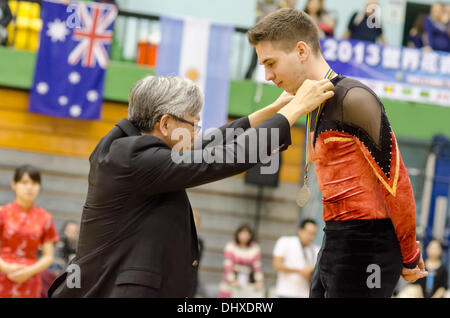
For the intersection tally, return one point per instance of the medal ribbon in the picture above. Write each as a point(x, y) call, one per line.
point(329, 75)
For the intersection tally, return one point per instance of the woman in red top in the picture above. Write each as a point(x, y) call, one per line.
point(24, 227)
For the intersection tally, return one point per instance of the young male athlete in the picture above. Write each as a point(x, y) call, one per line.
point(368, 202)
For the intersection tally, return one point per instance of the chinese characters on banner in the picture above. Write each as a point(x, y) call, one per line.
point(392, 72)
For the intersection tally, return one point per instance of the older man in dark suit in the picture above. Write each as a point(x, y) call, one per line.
point(137, 236)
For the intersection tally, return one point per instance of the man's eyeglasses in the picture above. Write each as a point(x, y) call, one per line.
point(197, 128)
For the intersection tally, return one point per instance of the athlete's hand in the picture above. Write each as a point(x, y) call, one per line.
point(411, 275)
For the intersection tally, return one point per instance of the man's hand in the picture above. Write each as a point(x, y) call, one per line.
point(236, 284)
point(307, 98)
point(21, 275)
point(313, 93)
point(282, 100)
point(411, 275)
point(306, 272)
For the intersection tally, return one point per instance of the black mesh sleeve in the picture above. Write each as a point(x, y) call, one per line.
point(360, 108)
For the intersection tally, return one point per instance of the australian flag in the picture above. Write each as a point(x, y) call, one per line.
point(72, 59)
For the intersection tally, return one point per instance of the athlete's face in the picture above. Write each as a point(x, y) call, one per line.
point(286, 69)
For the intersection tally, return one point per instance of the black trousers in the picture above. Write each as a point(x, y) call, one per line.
point(358, 259)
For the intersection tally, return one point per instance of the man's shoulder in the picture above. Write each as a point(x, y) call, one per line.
point(288, 240)
point(118, 149)
point(116, 141)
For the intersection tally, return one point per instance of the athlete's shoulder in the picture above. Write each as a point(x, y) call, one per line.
point(348, 83)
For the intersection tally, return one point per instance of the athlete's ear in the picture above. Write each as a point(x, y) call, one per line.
point(303, 50)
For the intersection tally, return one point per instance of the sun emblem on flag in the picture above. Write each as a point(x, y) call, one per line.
point(192, 74)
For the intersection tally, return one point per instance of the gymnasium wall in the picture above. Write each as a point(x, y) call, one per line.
point(61, 147)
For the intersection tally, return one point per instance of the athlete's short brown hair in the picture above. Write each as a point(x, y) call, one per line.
point(285, 28)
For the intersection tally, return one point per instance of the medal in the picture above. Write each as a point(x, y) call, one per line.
point(304, 193)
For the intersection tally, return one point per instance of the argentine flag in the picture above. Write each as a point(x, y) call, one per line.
point(201, 51)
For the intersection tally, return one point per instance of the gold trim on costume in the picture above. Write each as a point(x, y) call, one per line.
point(392, 190)
point(330, 139)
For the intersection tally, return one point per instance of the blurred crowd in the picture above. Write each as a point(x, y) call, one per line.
point(20, 24)
point(294, 259)
point(33, 254)
point(432, 31)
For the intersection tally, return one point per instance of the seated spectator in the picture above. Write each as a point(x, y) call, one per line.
point(436, 28)
point(294, 258)
point(48, 277)
point(5, 18)
point(324, 21)
point(417, 33)
point(365, 25)
point(243, 276)
point(435, 284)
point(66, 248)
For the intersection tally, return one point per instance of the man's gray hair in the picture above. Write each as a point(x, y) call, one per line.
point(154, 96)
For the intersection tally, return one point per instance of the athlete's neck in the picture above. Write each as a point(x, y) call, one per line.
point(319, 68)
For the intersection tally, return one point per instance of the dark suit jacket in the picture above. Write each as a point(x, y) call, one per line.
point(137, 234)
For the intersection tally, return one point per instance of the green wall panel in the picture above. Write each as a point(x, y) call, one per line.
point(120, 77)
point(16, 68)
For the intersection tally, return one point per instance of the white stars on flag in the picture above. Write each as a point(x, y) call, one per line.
point(75, 110)
point(63, 100)
point(92, 96)
point(57, 30)
point(74, 77)
point(42, 88)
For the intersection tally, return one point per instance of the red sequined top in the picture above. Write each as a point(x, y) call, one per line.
point(359, 167)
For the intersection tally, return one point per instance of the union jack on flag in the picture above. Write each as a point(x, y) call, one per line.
point(94, 34)
point(72, 59)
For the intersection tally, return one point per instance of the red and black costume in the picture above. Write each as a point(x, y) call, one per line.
point(368, 202)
